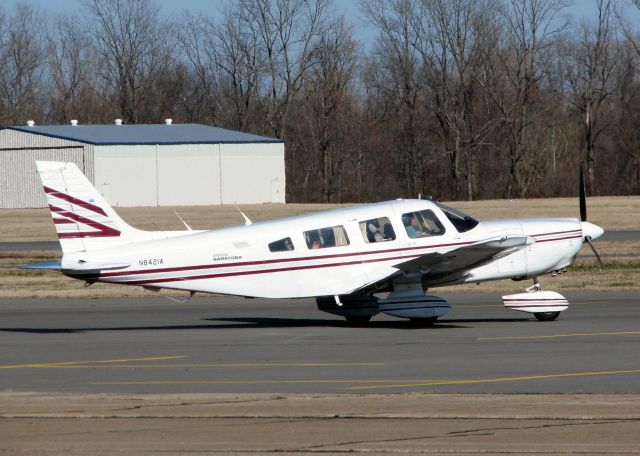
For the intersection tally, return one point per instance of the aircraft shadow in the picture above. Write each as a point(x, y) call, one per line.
point(248, 323)
point(485, 320)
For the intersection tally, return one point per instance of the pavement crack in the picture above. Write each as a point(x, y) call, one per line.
point(455, 434)
point(195, 404)
point(524, 428)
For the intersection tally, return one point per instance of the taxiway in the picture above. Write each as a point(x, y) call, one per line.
point(235, 345)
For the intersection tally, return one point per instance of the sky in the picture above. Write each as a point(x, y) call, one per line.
point(580, 9)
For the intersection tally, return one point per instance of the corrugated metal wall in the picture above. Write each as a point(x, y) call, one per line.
point(144, 175)
point(20, 186)
point(190, 174)
point(252, 173)
point(127, 175)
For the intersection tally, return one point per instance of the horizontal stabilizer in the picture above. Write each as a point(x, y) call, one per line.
point(85, 267)
point(51, 265)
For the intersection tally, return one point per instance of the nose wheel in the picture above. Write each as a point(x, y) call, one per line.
point(542, 304)
point(546, 316)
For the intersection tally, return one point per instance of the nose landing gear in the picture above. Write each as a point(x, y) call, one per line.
point(544, 305)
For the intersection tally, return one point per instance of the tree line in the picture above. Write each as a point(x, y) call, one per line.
point(457, 99)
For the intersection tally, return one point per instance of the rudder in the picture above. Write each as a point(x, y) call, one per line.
point(83, 219)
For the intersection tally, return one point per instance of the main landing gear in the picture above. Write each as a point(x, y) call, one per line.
point(544, 305)
point(407, 301)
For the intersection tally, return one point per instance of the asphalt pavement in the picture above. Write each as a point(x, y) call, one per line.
point(231, 376)
point(236, 345)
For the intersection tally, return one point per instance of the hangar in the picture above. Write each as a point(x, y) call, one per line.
point(146, 165)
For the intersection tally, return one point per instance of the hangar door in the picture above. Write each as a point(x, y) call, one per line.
point(188, 174)
point(20, 186)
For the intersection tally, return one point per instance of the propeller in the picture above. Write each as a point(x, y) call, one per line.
point(583, 198)
point(589, 230)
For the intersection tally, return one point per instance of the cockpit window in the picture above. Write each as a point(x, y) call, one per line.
point(459, 219)
point(377, 230)
point(334, 236)
point(281, 245)
point(422, 224)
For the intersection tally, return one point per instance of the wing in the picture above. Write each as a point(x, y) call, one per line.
point(439, 268)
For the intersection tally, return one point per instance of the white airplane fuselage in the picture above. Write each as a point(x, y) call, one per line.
point(356, 261)
point(238, 261)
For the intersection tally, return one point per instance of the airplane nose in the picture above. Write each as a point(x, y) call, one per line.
point(591, 230)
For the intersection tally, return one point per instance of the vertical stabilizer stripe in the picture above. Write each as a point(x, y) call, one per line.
point(76, 201)
point(103, 230)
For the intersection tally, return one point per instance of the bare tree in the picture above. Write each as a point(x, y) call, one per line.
point(456, 36)
point(329, 102)
point(22, 59)
point(288, 34)
point(135, 46)
point(70, 60)
point(396, 54)
point(590, 76)
point(515, 71)
point(241, 68)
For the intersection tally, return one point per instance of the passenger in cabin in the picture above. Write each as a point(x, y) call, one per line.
point(314, 240)
point(411, 225)
point(373, 232)
point(389, 235)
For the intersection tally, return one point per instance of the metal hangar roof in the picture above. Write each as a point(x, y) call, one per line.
point(114, 134)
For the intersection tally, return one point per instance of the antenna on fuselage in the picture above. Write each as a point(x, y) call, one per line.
point(183, 222)
point(247, 221)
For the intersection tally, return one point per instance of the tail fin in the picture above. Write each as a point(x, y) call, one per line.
point(83, 219)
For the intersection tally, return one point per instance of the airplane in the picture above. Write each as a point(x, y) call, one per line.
point(356, 261)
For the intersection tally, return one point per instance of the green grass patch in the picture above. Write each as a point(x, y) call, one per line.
point(613, 266)
point(625, 284)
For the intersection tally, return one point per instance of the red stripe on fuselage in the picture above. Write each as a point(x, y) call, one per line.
point(296, 259)
point(539, 305)
point(256, 271)
point(559, 239)
point(557, 232)
point(281, 260)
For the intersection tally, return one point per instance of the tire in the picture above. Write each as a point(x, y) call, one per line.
point(358, 319)
point(546, 316)
point(424, 321)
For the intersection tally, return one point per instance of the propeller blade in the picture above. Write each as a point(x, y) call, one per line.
point(588, 239)
point(583, 198)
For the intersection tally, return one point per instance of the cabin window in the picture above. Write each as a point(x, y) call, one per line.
point(377, 230)
point(459, 219)
point(422, 224)
point(281, 245)
point(334, 236)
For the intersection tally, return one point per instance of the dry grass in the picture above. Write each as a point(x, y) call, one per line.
point(612, 213)
point(35, 224)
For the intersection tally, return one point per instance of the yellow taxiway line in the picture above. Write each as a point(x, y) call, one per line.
point(496, 380)
point(108, 364)
point(243, 382)
point(220, 366)
point(371, 384)
point(552, 336)
point(76, 363)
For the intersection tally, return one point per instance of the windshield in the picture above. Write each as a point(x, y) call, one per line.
point(460, 220)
